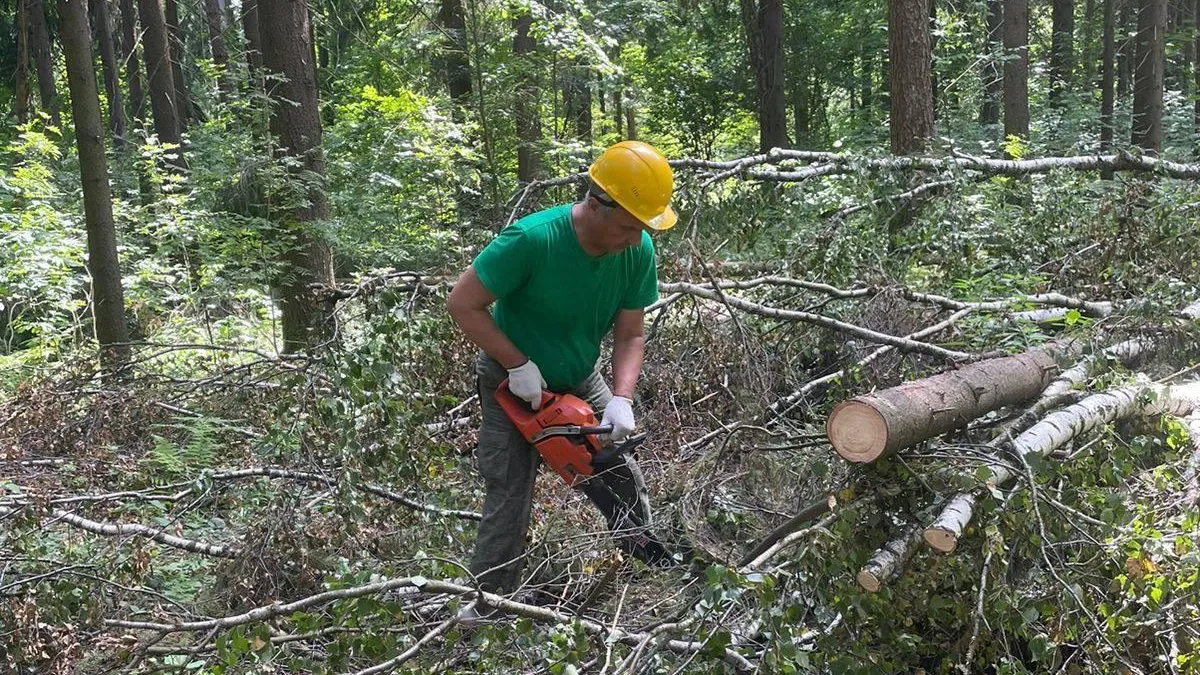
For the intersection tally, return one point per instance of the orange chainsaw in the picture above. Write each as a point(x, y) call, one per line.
point(565, 432)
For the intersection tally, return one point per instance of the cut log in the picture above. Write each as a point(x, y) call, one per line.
point(889, 560)
point(1056, 430)
point(868, 427)
point(943, 534)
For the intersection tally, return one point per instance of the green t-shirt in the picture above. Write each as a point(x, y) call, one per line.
point(554, 301)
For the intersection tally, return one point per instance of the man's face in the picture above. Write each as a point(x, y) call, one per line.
point(620, 229)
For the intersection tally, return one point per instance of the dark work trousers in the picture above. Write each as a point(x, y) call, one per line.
point(509, 465)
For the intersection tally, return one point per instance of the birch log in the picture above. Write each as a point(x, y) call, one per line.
point(889, 560)
point(868, 427)
point(1057, 429)
point(943, 534)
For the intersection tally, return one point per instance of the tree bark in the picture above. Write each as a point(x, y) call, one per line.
point(456, 67)
point(112, 78)
point(1055, 431)
point(773, 133)
point(1062, 48)
point(158, 73)
point(39, 45)
point(1016, 69)
point(1146, 129)
point(763, 23)
point(107, 296)
point(1124, 50)
point(296, 122)
point(912, 89)
point(993, 83)
point(21, 86)
point(250, 26)
point(175, 51)
point(525, 102)
point(216, 43)
point(1108, 68)
point(889, 560)
point(133, 66)
point(866, 428)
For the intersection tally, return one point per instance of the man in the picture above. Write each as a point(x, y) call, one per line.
point(559, 280)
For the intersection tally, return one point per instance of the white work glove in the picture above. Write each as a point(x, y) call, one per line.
point(619, 413)
point(526, 383)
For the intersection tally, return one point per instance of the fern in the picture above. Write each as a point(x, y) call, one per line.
point(194, 452)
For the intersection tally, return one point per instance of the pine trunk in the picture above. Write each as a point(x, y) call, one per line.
point(133, 65)
point(1062, 48)
point(175, 51)
point(912, 89)
point(1016, 69)
point(456, 67)
point(866, 428)
point(250, 27)
point(216, 43)
point(1108, 83)
point(21, 86)
point(107, 296)
point(525, 103)
point(296, 123)
point(39, 45)
point(1124, 49)
point(158, 73)
point(112, 78)
point(773, 99)
point(993, 83)
point(1146, 130)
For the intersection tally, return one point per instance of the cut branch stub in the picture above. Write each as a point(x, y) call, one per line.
point(868, 427)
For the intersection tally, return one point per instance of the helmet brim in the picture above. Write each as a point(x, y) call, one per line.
point(663, 221)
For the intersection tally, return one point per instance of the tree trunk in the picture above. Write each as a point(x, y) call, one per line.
point(1107, 84)
point(158, 74)
point(112, 78)
point(577, 99)
point(866, 82)
point(618, 112)
point(1062, 48)
point(632, 129)
point(802, 111)
point(912, 91)
point(133, 65)
point(866, 428)
point(21, 86)
point(993, 83)
point(773, 101)
point(455, 65)
point(107, 296)
point(296, 123)
point(763, 23)
point(1016, 69)
point(216, 42)
point(525, 102)
point(1196, 72)
point(1146, 130)
point(250, 26)
point(1124, 50)
point(175, 51)
point(39, 45)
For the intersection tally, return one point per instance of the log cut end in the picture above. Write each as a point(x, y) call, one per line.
point(940, 539)
point(857, 431)
point(868, 581)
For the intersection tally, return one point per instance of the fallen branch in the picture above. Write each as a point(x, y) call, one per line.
point(139, 530)
point(797, 535)
point(267, 612)
point(1057, 429)
point(1191, 476)
point(793, 315)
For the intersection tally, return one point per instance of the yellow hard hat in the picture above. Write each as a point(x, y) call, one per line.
point(637, 177)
